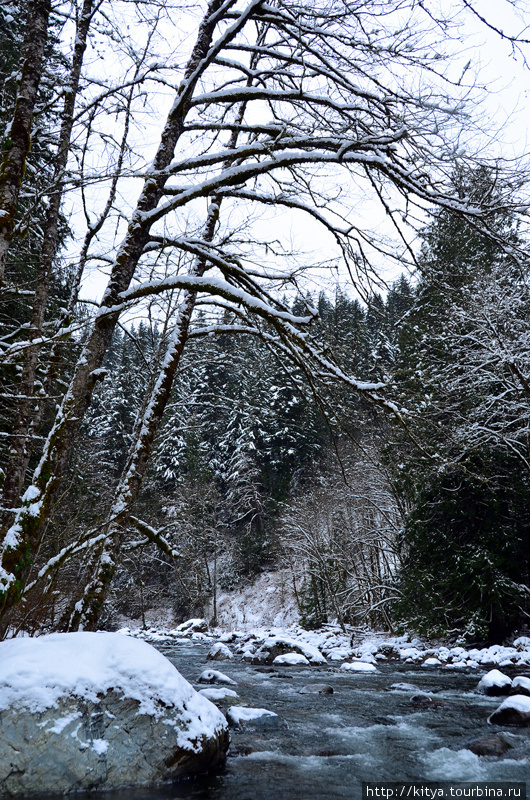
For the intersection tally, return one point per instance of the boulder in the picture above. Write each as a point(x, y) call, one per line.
point(84, 711)
point(192, 626)
point(219, 652)
point(389, 650)
point(358, 666)
point(494, 683)
point(317, 688)
point(512, 711)
point(244, 717)
point(214, 676)
point(280, 645)
point(489, 746)
point(520, 685)
point(291, 660)
point(219, 694)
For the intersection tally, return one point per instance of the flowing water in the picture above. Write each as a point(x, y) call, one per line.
point(327, 745)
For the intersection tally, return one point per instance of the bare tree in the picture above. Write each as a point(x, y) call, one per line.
point(328, 104)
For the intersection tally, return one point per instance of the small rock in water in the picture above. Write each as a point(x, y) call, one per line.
point(213, 676)
point(494, 683)
point(243, 717)
point(404, 687)
point(489, 746)
point(317, 688)
point(216, 695)
point(219, 652)
point(512, 711)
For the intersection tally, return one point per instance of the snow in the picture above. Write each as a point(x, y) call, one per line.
point(312, 653)
point(358, 666)
point(291, 659)
point(493, 678)
point(520, 682)
point(218, 693)
point(36, 672)
point(214, 676)
point(240, 714)
point(519, 702)
point(432, 662)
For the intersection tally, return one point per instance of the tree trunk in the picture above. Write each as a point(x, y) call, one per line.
point(20, 450)
point(22, 538)
point(17, 141)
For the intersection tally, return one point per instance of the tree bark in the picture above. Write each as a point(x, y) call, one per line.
point(22, 538)
point(20, 450)
point(17, 141)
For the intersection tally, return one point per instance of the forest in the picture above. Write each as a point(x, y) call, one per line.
point(206, 371)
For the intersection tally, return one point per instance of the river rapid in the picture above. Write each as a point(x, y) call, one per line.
point(325, 745)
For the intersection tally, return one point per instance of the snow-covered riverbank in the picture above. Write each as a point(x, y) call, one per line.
point(337, 646)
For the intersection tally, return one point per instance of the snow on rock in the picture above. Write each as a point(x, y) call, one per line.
point(432, 662)
point(514, 710)
point(280, 645)
point(192, 626)
point(218, 693)
point(494, 683)
point(358, 666)
point(99, 710)
point(241, 717)
point(291, 659)
point(219, 652)
point(213, 676)
point(521, 685)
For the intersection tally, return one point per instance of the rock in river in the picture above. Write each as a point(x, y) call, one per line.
point(97, 711)
point(494, 683)
point(512, 711)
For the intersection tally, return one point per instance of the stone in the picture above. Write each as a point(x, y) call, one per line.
point(494, 745)
point(514, 710)
point(245, 717)
point(98, 711)
point(317, 688)
point(219, 652)
point(214, 676)
point(494, 683)
point(280, 645)
point(520, 685)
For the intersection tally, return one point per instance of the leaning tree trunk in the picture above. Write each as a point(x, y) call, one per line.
point(20, 449)
point(106, 560)
point(17, 141)
point(23, 537)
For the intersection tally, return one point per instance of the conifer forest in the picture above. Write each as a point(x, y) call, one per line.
point(264, 304)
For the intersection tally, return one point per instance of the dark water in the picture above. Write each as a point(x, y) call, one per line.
point(363, 732)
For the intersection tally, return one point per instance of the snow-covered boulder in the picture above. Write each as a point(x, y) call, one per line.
point(242, 716)
point(522, 643)
point(218, 694)
point(97, 711)
point(432, 662)
point(219, 652)
point(291, 660)
point(214, 676)
point(280, 645)
point(512, 711)
point(358, 666)
point(494, 683)
point(192, 626)
point(520, 685)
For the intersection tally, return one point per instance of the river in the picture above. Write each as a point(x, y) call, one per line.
point(327, 745)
